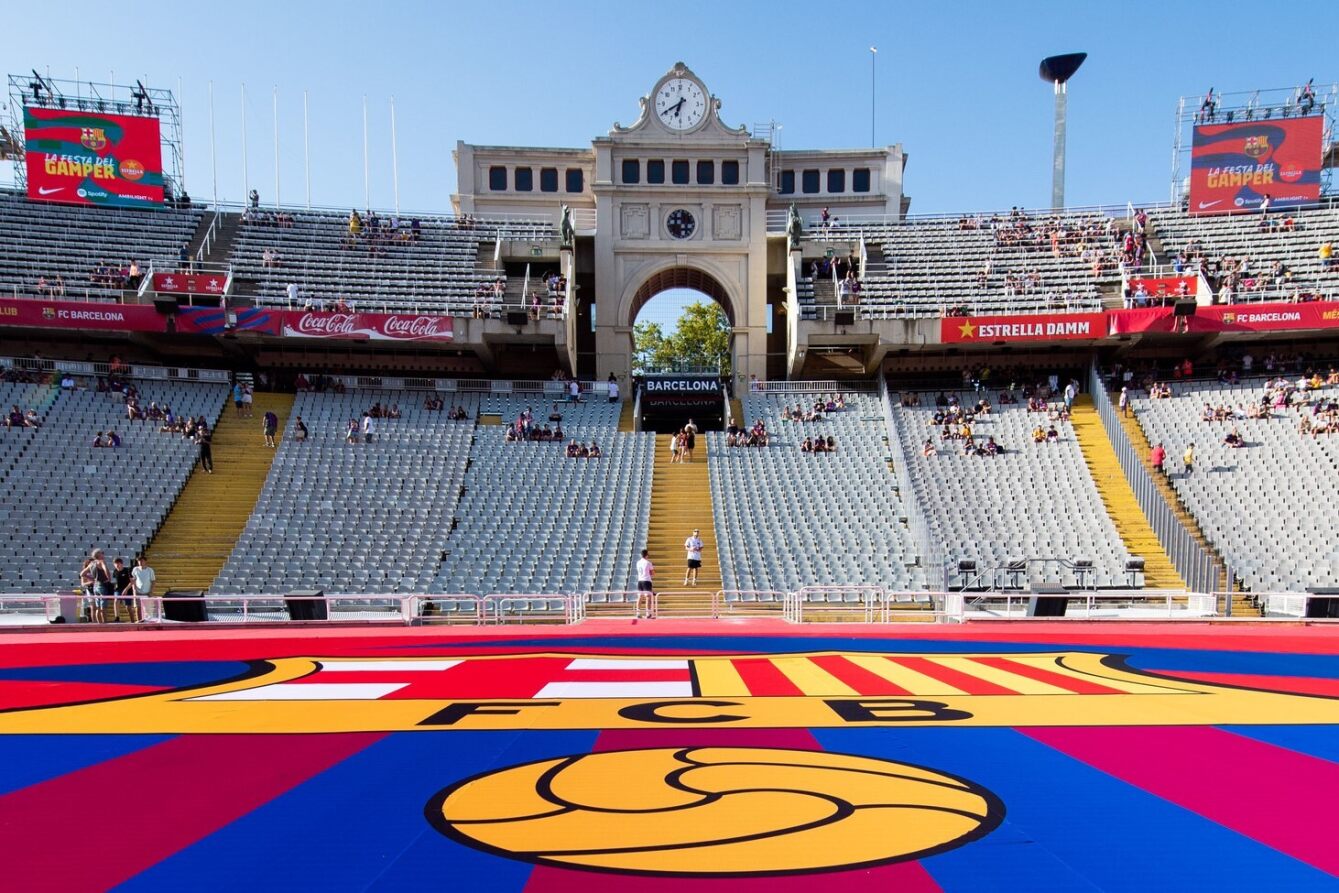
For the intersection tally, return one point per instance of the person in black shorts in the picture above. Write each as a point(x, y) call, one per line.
point(124, 585)
point(203, 440)
point(646, 573)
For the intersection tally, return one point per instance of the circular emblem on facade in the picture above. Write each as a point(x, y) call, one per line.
point(681, 223)
point(715, 811)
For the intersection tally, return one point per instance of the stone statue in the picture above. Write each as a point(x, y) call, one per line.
point(794, 228)
point(567, 231)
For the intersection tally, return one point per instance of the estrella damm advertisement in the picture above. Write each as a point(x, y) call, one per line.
point(87, 158)
point(1234, 167)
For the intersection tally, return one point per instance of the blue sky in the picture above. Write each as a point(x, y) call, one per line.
point(957, 83)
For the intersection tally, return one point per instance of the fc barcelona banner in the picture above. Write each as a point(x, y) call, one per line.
point(1235, 167)
point(93, 159)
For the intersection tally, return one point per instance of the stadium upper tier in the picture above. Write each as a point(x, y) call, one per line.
point(396, 264)
point(64, 246)
point(1020, 262)
point(1247, 246)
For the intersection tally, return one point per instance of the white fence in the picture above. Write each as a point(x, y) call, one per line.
point(847, 604)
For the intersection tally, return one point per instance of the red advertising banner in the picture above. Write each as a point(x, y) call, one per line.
point(81, 315)
point(1038, 327)
point(1165, 286)
point(1234, 167)
point(1229, 318)
point(367, 326)
point(91, 158)
point(190, 283)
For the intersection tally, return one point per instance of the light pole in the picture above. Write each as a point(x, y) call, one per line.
point(873, 54)
point(1058, 70)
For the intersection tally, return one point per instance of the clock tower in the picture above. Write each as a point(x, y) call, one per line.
point(680, 203)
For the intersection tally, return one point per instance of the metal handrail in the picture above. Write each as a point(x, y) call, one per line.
point(1192, 562)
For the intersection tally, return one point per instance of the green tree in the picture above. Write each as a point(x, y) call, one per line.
point(700, 340)
point(651, 350)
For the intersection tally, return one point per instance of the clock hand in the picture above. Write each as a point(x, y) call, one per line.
point(678, 106)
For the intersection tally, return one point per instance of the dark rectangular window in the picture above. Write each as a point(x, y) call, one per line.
point(787, 183)
point(837, 180)
point(860, 179)
point(632, 170)
point(497, 179)
point(809, 181)
point(548, 179)
point(706, 173)
point(525, 179)
point(730, 173)
point(655, 170)
point(576, 180)
point(679, 173)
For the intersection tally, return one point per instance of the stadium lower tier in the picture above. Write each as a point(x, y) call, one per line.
point(843, 757)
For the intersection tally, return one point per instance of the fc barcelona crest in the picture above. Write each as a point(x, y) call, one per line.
point(94, 138)
point(1257, 146)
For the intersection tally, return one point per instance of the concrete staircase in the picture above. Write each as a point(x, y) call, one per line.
point(626, 419)
point(207, 519)
point(1242, 604)
point(1119, 499)
point(737, 411)
point(680, 503)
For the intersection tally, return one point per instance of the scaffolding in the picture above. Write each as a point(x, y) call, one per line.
point(1254, 105)
point(136, 101)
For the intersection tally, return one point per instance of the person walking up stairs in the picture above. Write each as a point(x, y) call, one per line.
point(681, 512)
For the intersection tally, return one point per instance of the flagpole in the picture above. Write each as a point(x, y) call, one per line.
point(276, 147)
point(246, 174)
point(873, 55)
point(181, 127)
point(395, 159)
point(367, 187)
point(213, 156)
point(306, 150)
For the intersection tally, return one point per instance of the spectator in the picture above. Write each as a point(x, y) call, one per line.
point(99, 442)
point(1156, 457)
point(574, 391)
point(593, 451)
point(613, 388)
point(103, 587)
point(248, 395)
point(270, 425)
point(1326, 255)
point(693, 546)
point(369, 427)
point(113, 440)
point(254, 198)
point(676, 446)
point(646, 573)
point(123, 584)
point(689, 440)
point(299, 430)
point(204, 440)
point(1188, 459)
point(142, 579)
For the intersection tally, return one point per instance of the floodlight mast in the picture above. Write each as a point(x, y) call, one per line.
point(1058, 70)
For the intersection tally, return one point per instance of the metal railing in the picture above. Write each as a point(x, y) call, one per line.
point(828, 386)
point(123, 370)
point(1193, 563)
point(1093, 605)
point(933, 558)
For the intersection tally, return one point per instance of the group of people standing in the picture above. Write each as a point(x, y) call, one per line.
point(108, 590)
point(683, 442)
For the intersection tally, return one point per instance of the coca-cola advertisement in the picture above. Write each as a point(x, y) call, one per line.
point(367, 326)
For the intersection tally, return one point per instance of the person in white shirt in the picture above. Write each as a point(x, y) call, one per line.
point(693, 546)
point(293, 294)
point(369, 427)
point(142, 578)
point(646, 572)
point(613, 391)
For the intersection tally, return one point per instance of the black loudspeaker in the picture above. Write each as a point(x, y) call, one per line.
point(165, 305)
point(1185, 308)
point(192, 611)
point(306, 604)
point(844, 318)
point(517, 317)
point(1046, 603)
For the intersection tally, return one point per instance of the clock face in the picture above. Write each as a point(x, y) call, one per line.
point(681, 224)
point(681, 104)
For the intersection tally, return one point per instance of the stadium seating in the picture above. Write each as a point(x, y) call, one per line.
point(786, 519)
point(437, 273)
point(1288, 538)
point(921, 268)
point(40, 239)
point(60, 497)
point(1223, 236)
point(1033, 501)
point(354, 518)
point(534, 521)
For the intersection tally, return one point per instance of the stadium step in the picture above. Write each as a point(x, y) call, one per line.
point(680, 503)
point(204, 524)
point(737, 410)
point(1119, 499)
point(1242, 606)
point(627, 420)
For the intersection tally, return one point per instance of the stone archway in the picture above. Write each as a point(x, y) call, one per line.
point(680, 277)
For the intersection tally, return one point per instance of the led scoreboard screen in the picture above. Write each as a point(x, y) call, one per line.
point(87, 158)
